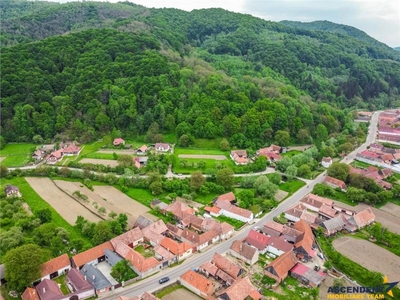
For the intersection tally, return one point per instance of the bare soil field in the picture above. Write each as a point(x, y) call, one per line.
point(95, 201)
point(181, 294)
point(65, 205)
point(391, 208)
point(117, 151)
point(205, 156)
point(95, 161)
point(119, 199)
point(369, 255)
point(2, 158)
point(388, 220)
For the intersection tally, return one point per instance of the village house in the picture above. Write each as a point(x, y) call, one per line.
point(334, 183)
point(240, 290)
point(279, 268)
point(232, 211)
point(326, 212)
point(70, 149)
point(257, 240)
point(12, 191)
point(200, 241)
point(295, 212)
point(112, 258)
point(142, 222)
point(163, 255)
point(224, 229)
point(91, 256)
point(96, 278)
point(307, 276)
point(244, 252)
point(198, 284)
point(304, 248)
point(54, 156)
point(326, 162)
point(272, 153)
point(314, 202)
point(118, 141)
point(362, 219)
point(159, 204)
point(79, 284)
point(272, 228)
point(239, 157)
point(155, 232)
point(142, 150)
point(38, 155)
point(132, 238)
point(30, 294)
point(278, 245)
point(230, 197)
point(55, 267)
point(49, 290)
point(136, 163)
point(181, 250)
point(179, 210)
point(375, 174)
point(227, 266)
point(163, 147)
point(334, 225)
point(141, 265)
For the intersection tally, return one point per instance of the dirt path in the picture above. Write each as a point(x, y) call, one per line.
point(2, 158)
point(94, 200)
point(205, 156)
point(118, 199)
point(369, 255)
point(65, 205)
point(95, 161)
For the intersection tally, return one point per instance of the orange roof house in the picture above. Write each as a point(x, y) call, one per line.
point(279, 268)
point(176, 248)
point(226, 265)
point(179, 210)
point(93, 254)
point(198, 284)
point(130, 238)
point(55, 267)
point(363, 218)
point(30, 294)
point(334, 183)
point(239, 157)
point(303, 248)
point(240, 290)
point(227, 197)
point(118, 141)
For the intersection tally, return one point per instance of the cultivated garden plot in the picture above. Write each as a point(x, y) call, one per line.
point(96, 203)
point(105, 162)
point(119, 199)
point(216, 157)
point(65, 205)
point(118, 151)
point(369, 255)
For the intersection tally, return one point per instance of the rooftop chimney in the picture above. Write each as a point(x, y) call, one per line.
point(85, 277)
point(44, 290)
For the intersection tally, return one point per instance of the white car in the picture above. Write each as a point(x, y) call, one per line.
point(256, 228)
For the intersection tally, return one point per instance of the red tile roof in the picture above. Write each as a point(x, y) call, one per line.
point(327, 159)
point(233, 209)
point(282, 265)
point(143, 148)
point(364, 217)
point(242, 289)
point(274, 225)
point(91, 254)
point(128, 238)
point(175, 247)
point(335, 182)
point(137, 260)
point(257, 239)
point(55, 264)
point(180, 210)
point(280, 243)
point(213, 209)
point(308, 238)
point(327, 211)
point(118, 141)
point(198, 282)
point(30, 294)
point(226, 265)
point(243, 249)
point(227, 197)
point(210, 268)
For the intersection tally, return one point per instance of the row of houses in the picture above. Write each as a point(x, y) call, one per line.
point(271, 153)
point(226, 205)
point(389, 122)
point(52, 156)
point(319, 211)
point(163, 147)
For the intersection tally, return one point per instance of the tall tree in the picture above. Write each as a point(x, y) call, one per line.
point(225, 178)
point(197, 180)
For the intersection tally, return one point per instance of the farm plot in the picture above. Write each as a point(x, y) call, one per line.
point(117, 151)
point(105, 162)
point(96, 203)
point(216, 157)
point(392, 209)
point(387, 264)
point(119, 199)
point(65, 205)
point(181, 294)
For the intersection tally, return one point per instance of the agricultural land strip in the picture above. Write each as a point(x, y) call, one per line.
point(95, 161)
point(204, 156)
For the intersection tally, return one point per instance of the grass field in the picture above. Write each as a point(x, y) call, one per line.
point(210, 164)
point(99, 155)
point(17, 154)
point(292, 186)
point(200, 151)
point(141, 195)
point(36, 203)
point(205, 199)
point(89, 148)
point(291, 153)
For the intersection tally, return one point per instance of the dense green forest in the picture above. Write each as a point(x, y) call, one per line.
point(79, 70)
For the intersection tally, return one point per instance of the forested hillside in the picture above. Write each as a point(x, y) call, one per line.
point(207, 73)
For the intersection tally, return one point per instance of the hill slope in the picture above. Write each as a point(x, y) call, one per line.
point(207, 73)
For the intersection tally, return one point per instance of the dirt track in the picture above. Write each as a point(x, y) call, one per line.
point(204, 156)
point(95, 161)
point(181, 294)
point(66, 206)
point(2, 158)
point(369, 255)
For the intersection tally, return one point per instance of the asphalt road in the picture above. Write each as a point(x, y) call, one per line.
point(151, 284)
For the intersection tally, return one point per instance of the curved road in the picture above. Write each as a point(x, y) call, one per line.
point(151, 284)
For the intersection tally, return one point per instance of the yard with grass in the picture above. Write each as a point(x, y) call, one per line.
point(235, 223)
point(62, 283)
point(98, 155)
point(210, 164)
point(17, 155)
point(291, 153)
point(168, 290)
point(200, 151)
point(207, 144)
point(149, 252)
point(292, 186)
point(141, 195)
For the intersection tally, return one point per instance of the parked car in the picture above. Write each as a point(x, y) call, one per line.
point(163, 280)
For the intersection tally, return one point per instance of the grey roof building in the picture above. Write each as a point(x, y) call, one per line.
point(112, 258)
point(142, 222)
point(95, 277)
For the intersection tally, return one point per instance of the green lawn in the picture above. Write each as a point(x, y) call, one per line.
point(18, 155)
point(36, 203)
point(235, 223)
point(205, 199)
point(145, 252)
point(168, 290)
point(61, 280)
point(93, 147)
point(98, 155)
point(141, 195)
point(207, 144)
point(210, 164)
point(292, 186)
point(291, 153)
point(360, 164)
